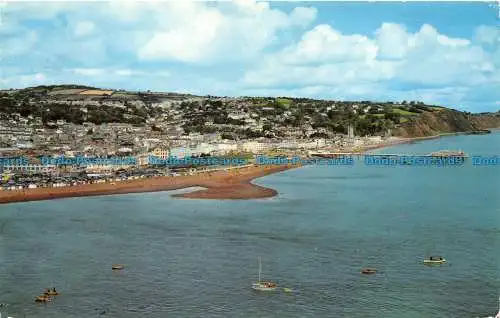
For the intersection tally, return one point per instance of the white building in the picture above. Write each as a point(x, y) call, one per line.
point(225, 148)
point(254, 147)
point(30, 168)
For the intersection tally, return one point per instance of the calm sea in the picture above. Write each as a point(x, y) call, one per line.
point(198, 258)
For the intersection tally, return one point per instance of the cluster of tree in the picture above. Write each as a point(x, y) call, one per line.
point(202, 129)
point(371, 125)
point(53, 111)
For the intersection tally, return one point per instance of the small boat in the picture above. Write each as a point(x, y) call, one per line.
point(50, 292)
point(368, 271)
point(263, 285)
point(117, 267)
point(434, 260)
point(42, 299)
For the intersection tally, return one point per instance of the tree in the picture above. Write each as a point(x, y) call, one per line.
point(267, 127)
point(394, 117)
point(227, 136)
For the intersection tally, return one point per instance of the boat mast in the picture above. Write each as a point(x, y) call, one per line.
point(260, 268)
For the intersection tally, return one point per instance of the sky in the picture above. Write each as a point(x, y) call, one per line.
point(440, 53)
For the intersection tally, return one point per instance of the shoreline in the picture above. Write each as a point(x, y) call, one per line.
point(232, 184)
point(403, 141)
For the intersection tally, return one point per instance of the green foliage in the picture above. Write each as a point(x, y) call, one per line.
point(267, 127)
point(227, 136)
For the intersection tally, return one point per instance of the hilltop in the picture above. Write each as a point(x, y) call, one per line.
point(236, 118)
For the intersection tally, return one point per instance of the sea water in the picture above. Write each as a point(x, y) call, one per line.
point(198, 258)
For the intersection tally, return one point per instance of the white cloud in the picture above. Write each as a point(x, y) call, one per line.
point(393, 41)
point(39, 77)
point(303, 16)
point(325, 56)
point(189, 42)
point(324, 44)
point(486, 34)
point(83, 28)
point(196, 32)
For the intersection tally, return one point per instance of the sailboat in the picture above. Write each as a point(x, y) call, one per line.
point(263, 285)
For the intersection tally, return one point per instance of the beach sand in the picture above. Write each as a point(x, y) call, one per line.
point(232, 184)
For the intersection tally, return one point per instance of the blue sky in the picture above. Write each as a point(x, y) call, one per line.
point(442, 53)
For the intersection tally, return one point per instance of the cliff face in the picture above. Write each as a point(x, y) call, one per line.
point(446, 121)
point(487, 121)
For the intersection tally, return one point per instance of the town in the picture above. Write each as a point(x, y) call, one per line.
point(78, 121)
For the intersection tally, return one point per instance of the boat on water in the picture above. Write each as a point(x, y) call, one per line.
point(261, 285)
point(51, 292)
point(117, 267)
point(42, 299)
point(434, 260)
point(368, 271)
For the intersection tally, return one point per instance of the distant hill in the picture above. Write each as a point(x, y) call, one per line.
point(316, 118)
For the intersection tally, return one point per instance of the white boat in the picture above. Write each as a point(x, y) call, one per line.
point(434, 260)
point(263, 285)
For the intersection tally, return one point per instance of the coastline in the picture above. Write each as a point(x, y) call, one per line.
point(402, 141)
point(232, 184)
point(235, 184)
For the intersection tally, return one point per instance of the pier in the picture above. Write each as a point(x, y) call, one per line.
point(388, 155)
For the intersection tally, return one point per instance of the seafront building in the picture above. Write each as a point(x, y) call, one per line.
point(28, 168)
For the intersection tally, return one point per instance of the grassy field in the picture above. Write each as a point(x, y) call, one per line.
point(404, 112)
point(284, 102)
point(96, 92)
point(126, 95)
point(70, 91)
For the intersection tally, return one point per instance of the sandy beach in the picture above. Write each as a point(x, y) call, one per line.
point(233, 184)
